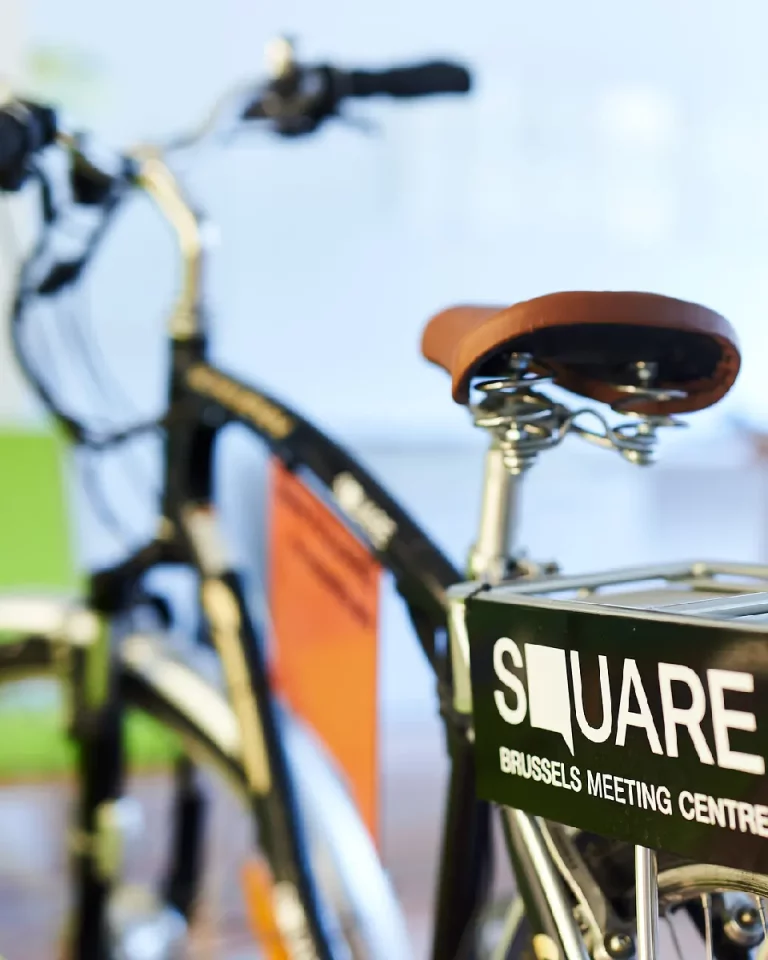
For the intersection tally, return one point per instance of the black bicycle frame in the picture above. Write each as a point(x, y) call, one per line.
point(203, 400)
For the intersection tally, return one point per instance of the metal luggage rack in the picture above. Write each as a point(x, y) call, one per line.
point(558, 669)
point(698, 588)
point(707, 590)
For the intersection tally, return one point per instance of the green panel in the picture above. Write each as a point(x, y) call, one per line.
point(34, 746)
point(36, 552)
point(36, 545)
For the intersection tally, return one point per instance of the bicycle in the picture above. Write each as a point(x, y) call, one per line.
point(644, 355)
point(294, 102)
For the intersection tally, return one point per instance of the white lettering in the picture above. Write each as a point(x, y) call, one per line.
point(742, 816)
point(700, 807)
point(630, 788)
point(576, 779)
point(628, 718)
point(746, 817)
point(618, 788)
point(648, 797)
point(685, 802)
point(761, 819)
point(595, 734)
point(724, 720)
point(557, 775)
point(594, 784)
point(689, 717)
point(716, 811)
point(516, 714)
point(730, 806)
point(351, 497)
point(608, 786)
point(546, 770)
point(549, 704)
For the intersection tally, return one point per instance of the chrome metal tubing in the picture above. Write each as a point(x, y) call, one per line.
point(664, 571)
point(757, 570)
point(726, 608)
point(459, 647)
point(647, 903)
point(555, 932)
point(593, 581)
point(494, 547)
point(156, 179)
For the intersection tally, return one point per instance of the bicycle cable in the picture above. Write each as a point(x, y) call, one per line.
point(89, 439)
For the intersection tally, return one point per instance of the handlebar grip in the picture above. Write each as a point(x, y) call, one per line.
point(13, 149)
point(422, 80)
point(25, 128)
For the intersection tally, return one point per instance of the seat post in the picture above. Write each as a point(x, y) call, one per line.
point(494, 550)
point(521, 423)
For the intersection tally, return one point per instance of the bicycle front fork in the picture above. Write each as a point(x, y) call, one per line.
point(96, 833)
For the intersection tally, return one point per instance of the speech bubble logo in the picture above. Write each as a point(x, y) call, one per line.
point(549, 704)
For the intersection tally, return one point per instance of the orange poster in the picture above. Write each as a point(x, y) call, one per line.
point(324, 599)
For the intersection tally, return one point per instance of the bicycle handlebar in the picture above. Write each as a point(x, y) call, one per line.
point(422, 80)
point(299, 99)
point(295, 102)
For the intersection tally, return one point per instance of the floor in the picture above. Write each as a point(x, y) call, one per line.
point(33, 867)
point(33, 861)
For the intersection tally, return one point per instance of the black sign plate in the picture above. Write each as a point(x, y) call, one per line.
point(650, 729)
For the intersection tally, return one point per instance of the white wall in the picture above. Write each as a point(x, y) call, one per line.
point(608, 145)
point(15, 402)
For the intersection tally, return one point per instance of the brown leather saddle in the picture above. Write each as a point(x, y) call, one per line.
point(589, 342)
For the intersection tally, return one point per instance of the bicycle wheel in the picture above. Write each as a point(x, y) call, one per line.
point(706, 911)
point(353, 885)
point(352, 882)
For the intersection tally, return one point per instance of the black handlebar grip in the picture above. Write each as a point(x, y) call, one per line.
point(13, 149)
point(423, 80)
point(24, 129)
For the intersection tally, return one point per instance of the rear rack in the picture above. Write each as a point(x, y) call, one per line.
point(699, 587)
point(713, 590)
point(631, 703)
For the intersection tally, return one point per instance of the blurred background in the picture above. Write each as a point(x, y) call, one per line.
point(604, 146)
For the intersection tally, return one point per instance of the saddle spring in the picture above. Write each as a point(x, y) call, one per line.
point(523, 421)
point(526, 422)
point(636, 440)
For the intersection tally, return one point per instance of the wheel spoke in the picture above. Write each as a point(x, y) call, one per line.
point(706, 902)
point(646, 903)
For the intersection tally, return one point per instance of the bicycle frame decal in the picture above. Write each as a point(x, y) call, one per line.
point(266, 416)
point(350, 496)
point(422, 572)
point(650, 728)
